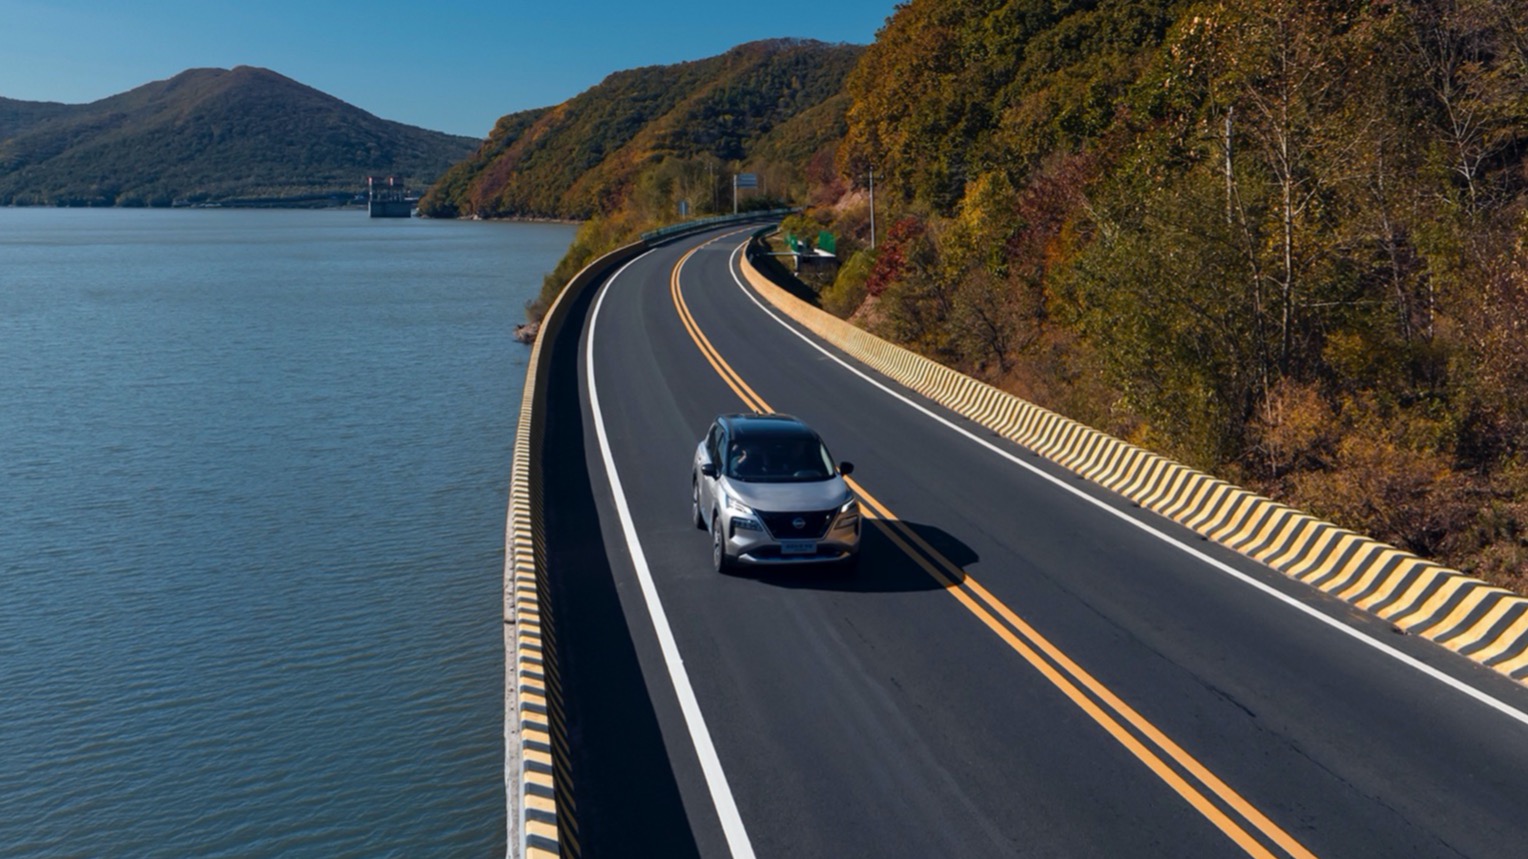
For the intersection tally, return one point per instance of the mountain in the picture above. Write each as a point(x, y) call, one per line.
point(208, 135)
point(779, 100)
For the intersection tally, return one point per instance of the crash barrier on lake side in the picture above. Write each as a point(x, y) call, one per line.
point(537, 780)
point(1485, 623)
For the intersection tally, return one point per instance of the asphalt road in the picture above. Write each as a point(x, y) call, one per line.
point(1019, 668)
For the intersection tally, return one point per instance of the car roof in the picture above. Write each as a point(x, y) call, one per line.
point(762, 425)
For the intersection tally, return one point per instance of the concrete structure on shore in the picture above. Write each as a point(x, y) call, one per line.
point(385, 197)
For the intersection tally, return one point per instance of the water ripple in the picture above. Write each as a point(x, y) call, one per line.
point(254, 468)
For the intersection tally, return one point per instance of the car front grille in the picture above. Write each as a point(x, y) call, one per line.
point(783, 525)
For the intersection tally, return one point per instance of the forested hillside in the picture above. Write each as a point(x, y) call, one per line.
point(647, 137)
point(207, 135)
point(1278, 239)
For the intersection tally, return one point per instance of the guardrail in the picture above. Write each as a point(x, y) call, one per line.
point(536, 776)
point(675, 230)
point(1485, 623)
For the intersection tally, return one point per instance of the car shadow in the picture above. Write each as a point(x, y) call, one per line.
point(884, 566)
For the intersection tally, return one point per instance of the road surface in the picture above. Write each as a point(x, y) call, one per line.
point(1024, 665)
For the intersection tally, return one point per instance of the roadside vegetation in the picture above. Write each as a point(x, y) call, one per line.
point(1281, 241)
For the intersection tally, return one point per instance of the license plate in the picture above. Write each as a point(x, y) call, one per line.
point(798, 547)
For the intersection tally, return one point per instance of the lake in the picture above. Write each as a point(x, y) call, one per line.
point(254, 468)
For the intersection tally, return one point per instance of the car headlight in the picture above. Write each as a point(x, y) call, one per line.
point(742, 515)
point(849, 513)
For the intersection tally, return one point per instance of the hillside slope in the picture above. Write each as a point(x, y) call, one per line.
point(583, 157)
point(1283, 242)
point(207, 135)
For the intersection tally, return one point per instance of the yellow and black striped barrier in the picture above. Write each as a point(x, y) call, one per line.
point(542, 818)
point(1485, 623)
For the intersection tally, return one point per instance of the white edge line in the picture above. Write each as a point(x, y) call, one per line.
point(1459, 685)
point(705, 750)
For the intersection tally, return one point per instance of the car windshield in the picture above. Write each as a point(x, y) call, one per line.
point(779, 460)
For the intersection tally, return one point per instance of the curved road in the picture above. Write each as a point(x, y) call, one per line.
point(1024, 665)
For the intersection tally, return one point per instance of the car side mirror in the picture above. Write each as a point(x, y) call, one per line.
point(846, 468)
point(708, 469)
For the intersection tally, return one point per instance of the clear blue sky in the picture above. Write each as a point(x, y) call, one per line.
point(447, 65)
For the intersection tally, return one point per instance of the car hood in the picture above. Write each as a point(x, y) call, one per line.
point(790, 497)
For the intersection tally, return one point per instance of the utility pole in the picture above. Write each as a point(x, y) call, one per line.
point(872, 208)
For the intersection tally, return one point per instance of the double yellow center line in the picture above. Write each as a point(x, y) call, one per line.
point(1232, 814)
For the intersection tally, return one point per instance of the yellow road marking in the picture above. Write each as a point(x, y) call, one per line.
point(722, 368)
point(1196, 798)
point(1062, 672)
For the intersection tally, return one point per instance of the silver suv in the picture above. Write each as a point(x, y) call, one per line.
point(769, 493)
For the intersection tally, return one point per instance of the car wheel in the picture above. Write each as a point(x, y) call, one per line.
point(719, 561)
point(695, 516)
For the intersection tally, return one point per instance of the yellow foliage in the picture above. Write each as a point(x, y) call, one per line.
point(983, 224)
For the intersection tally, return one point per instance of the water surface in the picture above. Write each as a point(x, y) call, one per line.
point(253, 473)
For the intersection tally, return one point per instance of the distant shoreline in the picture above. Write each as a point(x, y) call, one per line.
point(523, 219)
point(245, 203)
point(298, 205)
